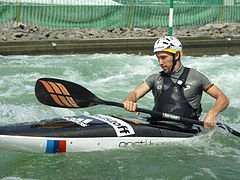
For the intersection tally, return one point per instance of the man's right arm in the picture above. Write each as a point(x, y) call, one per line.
point(130, 102)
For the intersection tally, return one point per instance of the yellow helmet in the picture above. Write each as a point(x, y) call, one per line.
point(168, 44)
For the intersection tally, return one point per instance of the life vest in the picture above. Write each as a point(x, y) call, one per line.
point(172, 99)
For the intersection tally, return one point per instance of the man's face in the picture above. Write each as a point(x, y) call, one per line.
point(165, 60)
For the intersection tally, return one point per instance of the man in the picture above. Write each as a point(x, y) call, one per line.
point(177, 90)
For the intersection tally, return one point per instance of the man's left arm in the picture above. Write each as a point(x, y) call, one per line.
point(221, 104)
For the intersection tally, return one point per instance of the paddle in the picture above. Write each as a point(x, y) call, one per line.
point(65, 94)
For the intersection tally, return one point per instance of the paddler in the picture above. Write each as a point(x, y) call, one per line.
point(177, 89)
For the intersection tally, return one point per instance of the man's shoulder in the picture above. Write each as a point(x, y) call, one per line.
point(199, 77)
point(156, 74)
point(197, 72)
point(153, 78)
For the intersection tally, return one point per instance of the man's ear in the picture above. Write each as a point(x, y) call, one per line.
point(177, 56)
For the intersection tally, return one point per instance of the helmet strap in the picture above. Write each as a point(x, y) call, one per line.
point(174, 61)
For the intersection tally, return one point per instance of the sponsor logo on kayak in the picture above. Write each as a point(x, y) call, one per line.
point(121, 127)
point(80, 121)
point(135, 143)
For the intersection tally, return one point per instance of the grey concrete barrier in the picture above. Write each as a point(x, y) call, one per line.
point(141, 46)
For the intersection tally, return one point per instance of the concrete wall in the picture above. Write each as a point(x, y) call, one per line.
point(192, 46)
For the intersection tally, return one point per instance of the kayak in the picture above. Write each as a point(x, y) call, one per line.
point(88, 133)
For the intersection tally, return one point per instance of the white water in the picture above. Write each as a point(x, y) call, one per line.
point(111, 77)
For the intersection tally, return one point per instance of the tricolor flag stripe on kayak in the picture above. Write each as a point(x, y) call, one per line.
point(59, 94)
point(56, 146)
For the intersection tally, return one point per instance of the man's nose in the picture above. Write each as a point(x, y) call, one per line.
point(160, 61)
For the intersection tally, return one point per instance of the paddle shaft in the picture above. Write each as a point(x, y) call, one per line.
point(174, 117)
point(158, 114)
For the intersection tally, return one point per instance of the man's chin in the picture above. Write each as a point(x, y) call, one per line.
point(165, 70)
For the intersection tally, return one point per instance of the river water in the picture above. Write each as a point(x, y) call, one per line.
point(111, 77)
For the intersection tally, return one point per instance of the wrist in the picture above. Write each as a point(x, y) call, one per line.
point(213, 111)
point(132, 97)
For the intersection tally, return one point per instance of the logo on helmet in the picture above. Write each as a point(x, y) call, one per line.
point(175, 47)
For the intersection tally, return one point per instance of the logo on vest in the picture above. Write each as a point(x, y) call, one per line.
point(186, 87)
point(159, 85)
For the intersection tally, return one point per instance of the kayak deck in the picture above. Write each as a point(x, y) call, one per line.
point(86, 133)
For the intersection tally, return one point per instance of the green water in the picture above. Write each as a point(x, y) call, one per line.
point(212, 156)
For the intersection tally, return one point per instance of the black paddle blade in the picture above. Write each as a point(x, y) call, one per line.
point(65, 94)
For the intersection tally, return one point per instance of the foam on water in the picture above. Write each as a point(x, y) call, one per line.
point(11, 114)
point(216, 143)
